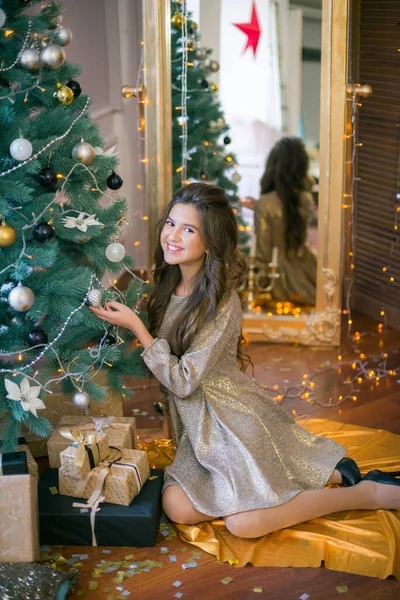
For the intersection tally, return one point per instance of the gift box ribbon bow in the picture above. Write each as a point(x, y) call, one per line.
point(98, 495)
point(99, 425)
point(86, 443)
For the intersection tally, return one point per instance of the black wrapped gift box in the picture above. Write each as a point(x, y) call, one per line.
point(115, 525)
point(13, 463)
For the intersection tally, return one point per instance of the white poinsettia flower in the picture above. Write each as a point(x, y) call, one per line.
point(110, 152)
point(24, 393)
point(81, 222)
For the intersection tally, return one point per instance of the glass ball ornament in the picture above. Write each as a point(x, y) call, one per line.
point(115, 252)
point(75, 86)
point(43, 231)
point(30, 59)
point(37, 337)
point(7, 235)
point(114, 181)
point(178, 20)
point(21, 298)
point(236, 177)
point(200, 53)
point(2, 17)
point(48, 178)
point(227, 140)
point(52, 56)
point(21, 149)
point(107, 339)
point(214, 87)
point(63, 36)
point(204, 84)
point(64, 94)
point(81, 400)
point(94, 298)
point(214, 66)
point(84, 153)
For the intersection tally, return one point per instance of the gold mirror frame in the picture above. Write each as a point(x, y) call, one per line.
point(321, 327)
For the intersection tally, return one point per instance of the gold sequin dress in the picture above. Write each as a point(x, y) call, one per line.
point(236, 449)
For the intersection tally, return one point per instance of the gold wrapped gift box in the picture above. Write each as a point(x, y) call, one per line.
point(60, 404)
point(120, 432)
point(86, 454)
point(19, 530)
point(119, 480)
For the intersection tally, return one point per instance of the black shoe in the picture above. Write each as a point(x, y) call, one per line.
point(382, 477)
point(349, 471)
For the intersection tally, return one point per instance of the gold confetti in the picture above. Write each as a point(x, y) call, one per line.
point(153, 477)
point(93, 585)
point(341, 589)
point(53, 490)
point(226, 580)
point(128, 557)
point(258, 589)
point(81, 593)
point(286, 369)
point(118, 579)
point(197, 554)
point(106, 590)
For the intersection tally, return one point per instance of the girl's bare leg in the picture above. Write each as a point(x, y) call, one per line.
point(179, 509)
point(307, 505)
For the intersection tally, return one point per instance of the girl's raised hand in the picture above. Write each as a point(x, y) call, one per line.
point(117, 314)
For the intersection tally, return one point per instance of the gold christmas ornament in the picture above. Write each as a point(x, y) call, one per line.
point(194, 25)
point(7, 235)
point(213, 87)
point(84, 153)
point(178, 20)
point(64, 94)
point(214, 66)
point(52, 56)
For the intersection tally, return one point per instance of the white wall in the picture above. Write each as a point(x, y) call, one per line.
point(311, 83)
point(106, 44)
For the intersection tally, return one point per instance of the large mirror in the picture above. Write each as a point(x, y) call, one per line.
point(282, 86)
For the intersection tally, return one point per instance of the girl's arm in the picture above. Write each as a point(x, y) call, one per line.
point(183, 376)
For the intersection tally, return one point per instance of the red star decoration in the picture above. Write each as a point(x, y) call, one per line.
point(252, 30)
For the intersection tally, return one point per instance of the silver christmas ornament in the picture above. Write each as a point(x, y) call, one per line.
point(214, 66)
point(94, 298)
point(199, 53)
point(21, 298)
point(81, 400)
point(115, 252)
point(63, 36)
point(236, 178)
point(29, 59)
point(84, 153)
point(52, 56)
point(207, 62)
point(21, 149)
point(2, 17)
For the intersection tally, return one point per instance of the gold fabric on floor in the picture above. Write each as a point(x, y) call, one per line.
point(360, 542)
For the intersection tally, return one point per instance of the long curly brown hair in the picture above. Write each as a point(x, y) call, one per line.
point(222, 271)
point(286, 174)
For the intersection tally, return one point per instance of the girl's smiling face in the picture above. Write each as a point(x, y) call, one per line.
point(180, 238)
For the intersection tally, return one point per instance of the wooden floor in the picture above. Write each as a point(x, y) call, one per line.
point(377, 406)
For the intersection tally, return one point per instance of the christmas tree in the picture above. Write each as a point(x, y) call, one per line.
point(57, 240)
point(197, 114)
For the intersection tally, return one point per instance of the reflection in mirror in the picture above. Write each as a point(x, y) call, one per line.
point(269, 88)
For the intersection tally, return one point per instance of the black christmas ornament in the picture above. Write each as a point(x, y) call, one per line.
point(227, 140)
point(43, 231)
point(4, 84)
point(48, 178)
point(114, 181)
point(107, 340)
point(75, 86)
point(205, 84)
point(37, 336)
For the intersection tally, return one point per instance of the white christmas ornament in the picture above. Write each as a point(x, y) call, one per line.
point(115, 252)
point(81, 222)
point(110, 152)
point(27, 395)
point(64, 36)
point(21, 149)
point(81, 400)
point(21, 298)
point(52, 56)
point(94, 298)
point(2, 17)
point(30, 59)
